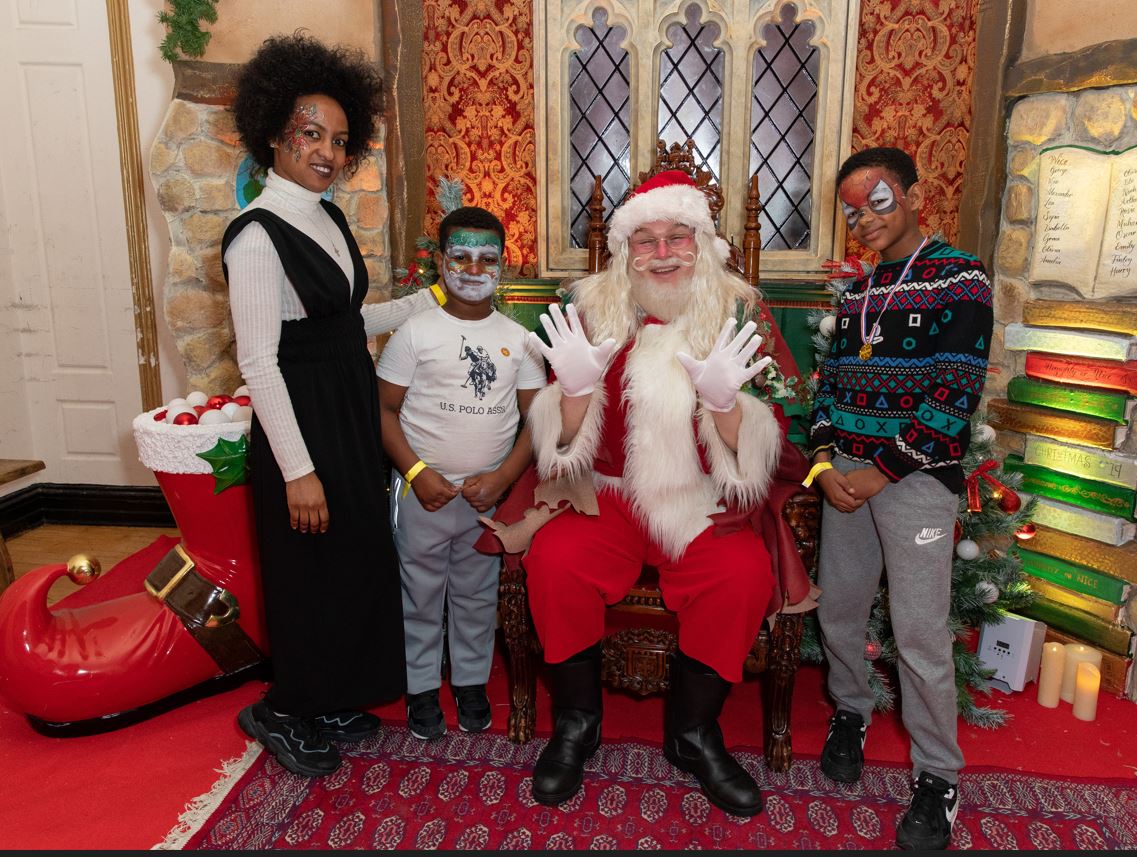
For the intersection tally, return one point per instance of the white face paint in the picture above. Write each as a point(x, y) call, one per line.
point(472, 264)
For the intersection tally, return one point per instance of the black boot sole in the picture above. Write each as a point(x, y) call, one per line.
point(741, 811)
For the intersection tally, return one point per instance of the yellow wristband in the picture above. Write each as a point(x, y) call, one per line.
point(439, 294)
point(816, 469)
point(416, 468)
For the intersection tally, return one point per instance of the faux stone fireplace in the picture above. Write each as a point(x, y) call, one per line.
point(193, 165)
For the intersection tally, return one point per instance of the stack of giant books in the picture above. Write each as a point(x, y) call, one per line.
point(1075, 406)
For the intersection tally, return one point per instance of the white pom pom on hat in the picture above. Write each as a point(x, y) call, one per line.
point(673, 196)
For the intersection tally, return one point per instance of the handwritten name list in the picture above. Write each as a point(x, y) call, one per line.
point(1086, 231)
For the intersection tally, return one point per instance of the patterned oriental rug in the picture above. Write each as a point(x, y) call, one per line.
point(474, 792)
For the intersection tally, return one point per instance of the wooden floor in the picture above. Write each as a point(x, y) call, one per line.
point(54, 543)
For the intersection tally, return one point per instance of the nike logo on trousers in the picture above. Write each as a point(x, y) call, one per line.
point(929, 535)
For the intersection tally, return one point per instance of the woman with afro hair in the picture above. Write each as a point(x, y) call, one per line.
point(307, 113)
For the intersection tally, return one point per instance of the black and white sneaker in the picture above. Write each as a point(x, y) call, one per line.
point(347, 726)
point(927, 824)
point(295, 741)
point(843, 757)
point(474, 714)
point(424, 715)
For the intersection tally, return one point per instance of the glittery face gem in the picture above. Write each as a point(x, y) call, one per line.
point(293, 136)
point(467, 249)
point(874, 191)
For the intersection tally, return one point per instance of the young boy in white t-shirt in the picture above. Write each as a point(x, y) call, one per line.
point(454, 383)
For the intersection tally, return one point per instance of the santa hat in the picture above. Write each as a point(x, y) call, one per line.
point(672, 196)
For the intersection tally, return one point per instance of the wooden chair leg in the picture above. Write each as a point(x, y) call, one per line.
point(517, 626)
point(783, 658)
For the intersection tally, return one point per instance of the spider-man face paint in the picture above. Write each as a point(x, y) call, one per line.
point(872, 190)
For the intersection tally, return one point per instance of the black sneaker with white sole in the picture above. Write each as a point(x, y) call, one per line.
point(424, 715)
point(843, 757)
point(295, 741)
point(347, 726)
point(474, 714)
point(927, 824)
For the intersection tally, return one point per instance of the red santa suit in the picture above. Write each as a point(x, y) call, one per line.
point(660, 469)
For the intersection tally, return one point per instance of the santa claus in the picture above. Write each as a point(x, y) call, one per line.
point(649, 409)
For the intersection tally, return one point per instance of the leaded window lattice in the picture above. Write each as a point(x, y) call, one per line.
point(599, 122)
point(782, 129)
point(691, 90)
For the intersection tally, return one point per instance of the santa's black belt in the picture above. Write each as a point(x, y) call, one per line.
point(208, 612)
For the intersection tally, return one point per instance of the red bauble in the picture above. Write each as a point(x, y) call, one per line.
point(242, 400)
point(422, 253)
point(1010, 502)
point(158, 417)
point(872, 650)
point(958, 531)
point(185, 419)
point(200, 409)
point(214, 403)
point(1025, 532)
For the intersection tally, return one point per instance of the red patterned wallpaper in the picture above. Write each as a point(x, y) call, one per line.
point(915, 65)
point(477, 67)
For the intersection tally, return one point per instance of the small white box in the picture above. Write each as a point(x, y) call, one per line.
point(1013, 649)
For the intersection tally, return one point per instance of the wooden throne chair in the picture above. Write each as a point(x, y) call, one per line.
point(639, 630)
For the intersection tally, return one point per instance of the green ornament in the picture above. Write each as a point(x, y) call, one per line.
point(227, 458)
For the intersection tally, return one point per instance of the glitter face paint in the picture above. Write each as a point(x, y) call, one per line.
point(293, 136)
point(468, 250)
point(876, 192)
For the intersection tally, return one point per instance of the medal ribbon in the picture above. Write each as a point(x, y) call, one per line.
point(869, 335)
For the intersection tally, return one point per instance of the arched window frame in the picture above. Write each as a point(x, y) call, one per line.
point(740, 25)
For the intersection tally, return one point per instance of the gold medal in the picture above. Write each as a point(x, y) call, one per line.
point(866, 351)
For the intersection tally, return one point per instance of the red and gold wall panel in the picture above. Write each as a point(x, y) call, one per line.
point(915, 65)
point(477, 67)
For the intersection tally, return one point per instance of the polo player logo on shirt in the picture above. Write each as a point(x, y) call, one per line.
point(482, 372)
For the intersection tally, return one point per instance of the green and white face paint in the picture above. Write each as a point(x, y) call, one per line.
point(472, 263)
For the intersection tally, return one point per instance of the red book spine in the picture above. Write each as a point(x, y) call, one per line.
point(1084, 371)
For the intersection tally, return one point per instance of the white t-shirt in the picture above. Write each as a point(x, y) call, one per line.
point(460, 413)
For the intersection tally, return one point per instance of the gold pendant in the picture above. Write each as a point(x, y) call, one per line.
point(866, 351)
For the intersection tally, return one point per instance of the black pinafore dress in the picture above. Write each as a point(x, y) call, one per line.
point(332, 602)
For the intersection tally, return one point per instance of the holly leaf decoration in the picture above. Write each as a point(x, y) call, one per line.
point(227, 458)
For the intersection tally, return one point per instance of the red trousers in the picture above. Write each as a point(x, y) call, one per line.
point(719, 588)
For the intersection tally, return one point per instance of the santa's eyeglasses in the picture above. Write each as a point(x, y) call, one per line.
point(644, 244)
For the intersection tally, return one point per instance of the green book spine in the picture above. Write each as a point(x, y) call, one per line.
point(1112, 638)
point(1074, 576)
point(1108, 405)
point(1075, 490)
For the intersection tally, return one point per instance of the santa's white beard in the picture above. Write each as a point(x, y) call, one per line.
point(666, 303)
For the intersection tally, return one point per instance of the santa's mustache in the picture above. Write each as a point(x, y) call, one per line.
point(685, 259)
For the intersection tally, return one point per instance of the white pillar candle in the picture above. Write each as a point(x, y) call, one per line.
point(1076, 653)
point(1050, 674)
point(1087, 682)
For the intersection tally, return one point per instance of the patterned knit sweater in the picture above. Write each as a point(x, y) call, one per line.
point(908, 406)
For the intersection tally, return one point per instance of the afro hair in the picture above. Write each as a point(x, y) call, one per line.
point(287, 67)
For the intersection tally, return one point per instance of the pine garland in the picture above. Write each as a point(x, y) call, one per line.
point(971, 580)
point(184, 36)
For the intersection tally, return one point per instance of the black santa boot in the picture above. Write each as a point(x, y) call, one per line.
point(692, 739)
point(575, 688)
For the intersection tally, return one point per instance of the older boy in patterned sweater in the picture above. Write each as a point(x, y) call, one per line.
point(891, 422)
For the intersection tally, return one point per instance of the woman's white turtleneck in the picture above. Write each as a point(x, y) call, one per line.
point(260, 297)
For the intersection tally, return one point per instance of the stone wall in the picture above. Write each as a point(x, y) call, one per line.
point(193, 165)
point(1098, 118)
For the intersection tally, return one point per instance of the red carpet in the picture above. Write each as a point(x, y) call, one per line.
point(474, 792)
point(126, 788)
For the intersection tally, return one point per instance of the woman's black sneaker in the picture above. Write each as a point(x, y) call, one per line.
point(474, 713)
point(295, 741)
point(347, 726)
point(843, 757)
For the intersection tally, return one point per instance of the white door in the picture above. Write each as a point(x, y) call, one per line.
point(71, 315)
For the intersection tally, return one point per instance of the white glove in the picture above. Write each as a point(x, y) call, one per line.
point(718, 378)
point(578, 364)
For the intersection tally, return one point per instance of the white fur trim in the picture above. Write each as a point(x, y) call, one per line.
point(676, 203)
point(575, 458)
point(744, 477)
point(167, 448)
point(663, 477)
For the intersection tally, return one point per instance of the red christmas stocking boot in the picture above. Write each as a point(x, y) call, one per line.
point(198, 614)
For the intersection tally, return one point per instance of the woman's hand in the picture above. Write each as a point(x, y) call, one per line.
point(307, 508)
point(432, 490)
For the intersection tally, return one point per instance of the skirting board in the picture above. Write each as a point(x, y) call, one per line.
point(106, 505)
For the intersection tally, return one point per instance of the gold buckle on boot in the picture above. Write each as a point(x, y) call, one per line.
point(175, 578)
